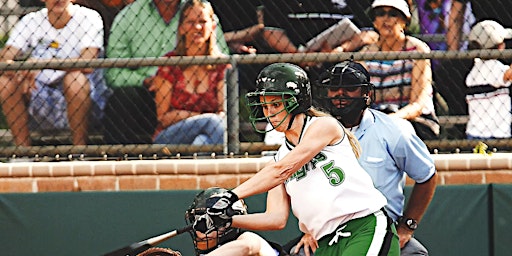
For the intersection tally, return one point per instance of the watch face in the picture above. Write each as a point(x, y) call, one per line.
point(412, 224)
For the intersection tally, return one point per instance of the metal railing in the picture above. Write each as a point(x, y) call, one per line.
point(232, 144)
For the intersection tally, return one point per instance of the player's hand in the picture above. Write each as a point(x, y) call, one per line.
point(221, 205)
point(308, 243)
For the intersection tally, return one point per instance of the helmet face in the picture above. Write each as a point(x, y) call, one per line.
point(206, 243)
point(288, 81)
point(344, 91)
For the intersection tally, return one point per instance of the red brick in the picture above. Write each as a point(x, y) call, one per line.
point(98, 183)
point(224, 181)
point(137, 182)
point(464, 177)
point(58, 184)
point(23, 185)
point(179, 182)
point(501, 176)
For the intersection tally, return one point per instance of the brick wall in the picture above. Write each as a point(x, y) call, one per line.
point(184, 174)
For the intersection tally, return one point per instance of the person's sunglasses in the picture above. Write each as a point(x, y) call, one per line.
point(379, 12)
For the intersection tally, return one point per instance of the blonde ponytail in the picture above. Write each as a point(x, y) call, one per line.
point(354, 143)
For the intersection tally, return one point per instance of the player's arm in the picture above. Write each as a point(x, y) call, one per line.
point(278, 172)
point(274, 217)
point(247, 244)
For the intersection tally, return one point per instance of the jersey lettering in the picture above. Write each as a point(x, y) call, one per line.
point(333, 173)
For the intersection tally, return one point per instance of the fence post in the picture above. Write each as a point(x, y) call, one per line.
point(232, 109)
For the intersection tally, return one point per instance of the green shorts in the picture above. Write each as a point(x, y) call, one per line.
point(374, 234)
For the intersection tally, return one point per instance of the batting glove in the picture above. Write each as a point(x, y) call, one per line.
point(221, 205)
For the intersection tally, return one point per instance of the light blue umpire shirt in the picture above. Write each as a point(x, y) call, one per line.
point(390, 150)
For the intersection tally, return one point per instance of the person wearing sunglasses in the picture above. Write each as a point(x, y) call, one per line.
point(403, 87)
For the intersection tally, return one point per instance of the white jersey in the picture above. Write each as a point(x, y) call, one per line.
point(35, 35)
point(488, 100)
point(331, 189)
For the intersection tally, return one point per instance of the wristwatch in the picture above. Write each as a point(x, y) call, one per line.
point(410, 223)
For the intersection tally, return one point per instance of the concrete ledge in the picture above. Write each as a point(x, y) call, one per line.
point(185, 174)
point(443, 162)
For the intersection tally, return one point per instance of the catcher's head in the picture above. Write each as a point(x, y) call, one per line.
point(205, 243)
point(283, 83)
point(345, 91)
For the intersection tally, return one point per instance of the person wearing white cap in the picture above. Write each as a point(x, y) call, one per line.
point(403, 87)
point(488, 83)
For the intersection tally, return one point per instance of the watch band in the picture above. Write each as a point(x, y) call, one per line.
point(410, 223)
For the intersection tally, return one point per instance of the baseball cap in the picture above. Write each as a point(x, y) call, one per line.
point(401, 5)
point(489, 33)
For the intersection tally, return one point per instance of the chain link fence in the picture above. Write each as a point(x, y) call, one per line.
point(121, 119)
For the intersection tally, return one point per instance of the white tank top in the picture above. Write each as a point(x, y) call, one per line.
point(331, 189)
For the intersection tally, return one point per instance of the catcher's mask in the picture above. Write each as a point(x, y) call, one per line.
point(205, 243)
point(344, 90)
point(285, 80)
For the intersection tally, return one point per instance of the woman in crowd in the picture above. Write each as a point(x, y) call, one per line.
point(190, 99)
point(402, 87)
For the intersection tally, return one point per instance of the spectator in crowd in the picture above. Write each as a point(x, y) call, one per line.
point(390, 150)
point(488, 83)
point(433, 18)
point(403, 87)
point(145, 28)
point(318, 176)
point(448, 74)
point(288, 25)
point(497, 10)
point(227, 240)
point(51, 99)
point(190, 99)
point(108, 9)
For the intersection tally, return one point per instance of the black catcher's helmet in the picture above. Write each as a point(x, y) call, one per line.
point(280, 79)
point(222, 235)
point(349, 76)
